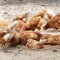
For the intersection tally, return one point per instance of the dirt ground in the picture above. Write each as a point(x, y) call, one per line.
point(8, 10)
point(24, 53)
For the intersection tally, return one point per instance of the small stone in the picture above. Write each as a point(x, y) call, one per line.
point(54, 50)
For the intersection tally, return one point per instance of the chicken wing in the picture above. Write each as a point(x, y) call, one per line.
point(32, 23)
point(20, 26)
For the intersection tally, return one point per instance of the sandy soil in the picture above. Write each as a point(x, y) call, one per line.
point(24, 53)
point(7, 12)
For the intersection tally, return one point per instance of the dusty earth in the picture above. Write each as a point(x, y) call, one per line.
point(8, 10)
point(24, 53)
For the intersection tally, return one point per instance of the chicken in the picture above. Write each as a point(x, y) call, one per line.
point(30, 25)
point(10, 36)
point(51, 39)
point(22, 37)
point(31, 43)
point(7, 34)
point(33, 22)
point(53, 23)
